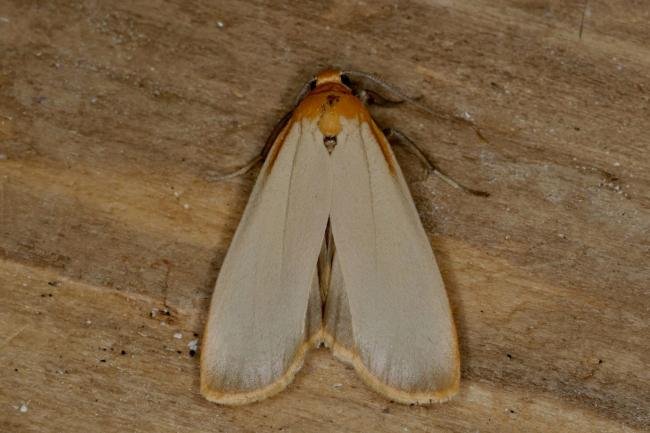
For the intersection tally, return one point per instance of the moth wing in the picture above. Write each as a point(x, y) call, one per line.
point(389, 314)
point(259, 325)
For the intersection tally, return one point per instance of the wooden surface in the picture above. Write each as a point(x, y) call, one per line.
point(115, 118)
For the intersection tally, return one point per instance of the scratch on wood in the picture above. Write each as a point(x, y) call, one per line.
point(11, 337)
point(582, 19)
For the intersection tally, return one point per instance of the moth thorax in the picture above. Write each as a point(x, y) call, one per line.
point(330, 142)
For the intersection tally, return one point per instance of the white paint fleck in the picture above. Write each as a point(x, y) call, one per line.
point(617, 164)
point(220, 24)
point(193, 345)
point(337, 385)
point(23, 408)
point(178, 335)
point(186, 206)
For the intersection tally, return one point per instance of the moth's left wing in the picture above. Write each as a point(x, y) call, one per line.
point(265, 310)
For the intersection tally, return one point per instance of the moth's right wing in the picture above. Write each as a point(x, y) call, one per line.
point(259, 327)
point(387, 310)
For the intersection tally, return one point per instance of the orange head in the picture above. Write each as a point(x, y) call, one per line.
point(328, 100)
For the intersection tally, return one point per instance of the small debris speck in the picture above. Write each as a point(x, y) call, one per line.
point(123, 352)
point(178, 335)
point(23, 408)
point(220, 24)
point(186, 206)
point(337, 385)
point(89, 322)
point(93, 99)
point(193, 346)
point(153, 313)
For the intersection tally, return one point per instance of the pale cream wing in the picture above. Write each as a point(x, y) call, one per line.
point(392, 318)
point(259, 326)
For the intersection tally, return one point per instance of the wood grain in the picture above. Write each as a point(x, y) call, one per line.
point(115, 119)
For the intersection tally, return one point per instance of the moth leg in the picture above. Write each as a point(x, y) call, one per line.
point(239, 172)
point(277, 129)
point(398, 137)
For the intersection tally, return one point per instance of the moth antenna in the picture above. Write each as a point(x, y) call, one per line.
point(389, 88)
point(306, 88)
point(399, 93)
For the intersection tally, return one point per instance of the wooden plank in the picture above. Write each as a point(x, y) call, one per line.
point(115, 119)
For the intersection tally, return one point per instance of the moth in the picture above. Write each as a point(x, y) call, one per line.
point(330, 251)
